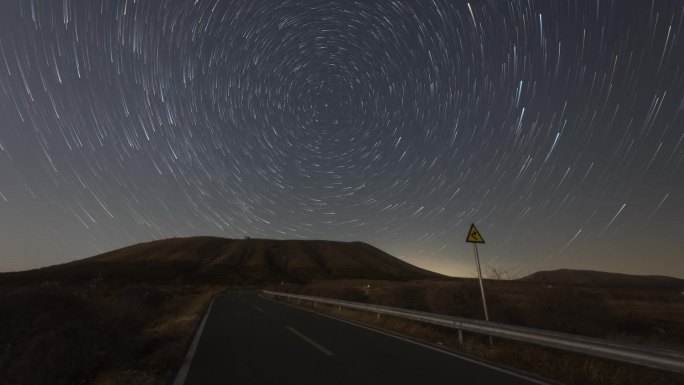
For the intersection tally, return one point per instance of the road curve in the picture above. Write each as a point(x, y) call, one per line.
point(249, 339)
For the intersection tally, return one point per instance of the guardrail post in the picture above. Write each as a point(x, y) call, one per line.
point(460, 337)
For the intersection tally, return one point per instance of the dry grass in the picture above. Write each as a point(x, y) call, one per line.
point(133, 334)
point(649, 317)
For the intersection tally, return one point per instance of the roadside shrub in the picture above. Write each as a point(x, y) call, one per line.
point(59, 335)
point(567, 309)
point(407, 296)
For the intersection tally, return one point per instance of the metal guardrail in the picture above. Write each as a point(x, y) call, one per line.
point(656, 358)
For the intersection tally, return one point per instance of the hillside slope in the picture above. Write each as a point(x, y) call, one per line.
point(214, 259)
point(603, 279)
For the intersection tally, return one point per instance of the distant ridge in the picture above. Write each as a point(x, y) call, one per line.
point(603, 279)
point(214, 259)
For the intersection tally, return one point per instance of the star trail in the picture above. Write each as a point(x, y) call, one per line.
point(556, 126)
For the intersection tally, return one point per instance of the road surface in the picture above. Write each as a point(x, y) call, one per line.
point(248, 339)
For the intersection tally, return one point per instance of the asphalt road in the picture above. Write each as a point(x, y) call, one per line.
point(248, 339)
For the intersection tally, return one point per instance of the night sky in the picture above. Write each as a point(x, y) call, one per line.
point(557, 127)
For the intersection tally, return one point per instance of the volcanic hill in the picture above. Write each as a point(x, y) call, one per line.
point(222, 260)
point(603, 279)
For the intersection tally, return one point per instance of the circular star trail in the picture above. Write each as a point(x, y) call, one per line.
point(556, 127)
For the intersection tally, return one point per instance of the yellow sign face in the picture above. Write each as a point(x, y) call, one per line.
point(474, 235)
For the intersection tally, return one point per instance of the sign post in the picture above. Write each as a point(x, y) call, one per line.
point(474, 237)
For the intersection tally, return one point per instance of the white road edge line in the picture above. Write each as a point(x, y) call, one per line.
point(310, 341)
point(425, 345)
point(185, 367)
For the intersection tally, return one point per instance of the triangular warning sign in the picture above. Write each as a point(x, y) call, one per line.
point(474, 235)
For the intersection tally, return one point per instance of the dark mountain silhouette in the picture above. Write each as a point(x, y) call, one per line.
point(603, 279)
point(222, 260)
